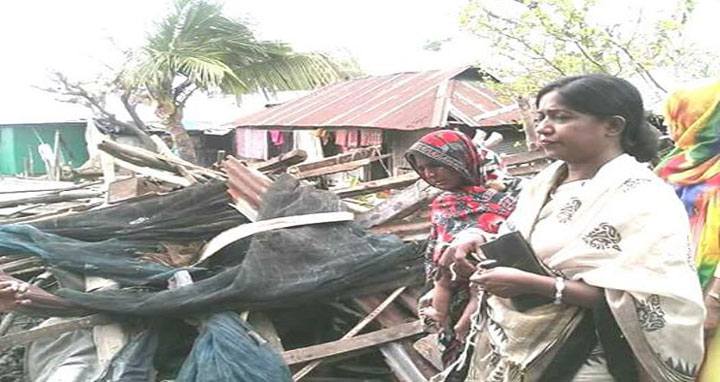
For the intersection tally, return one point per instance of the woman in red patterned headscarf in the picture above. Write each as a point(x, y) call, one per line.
point(474, 196)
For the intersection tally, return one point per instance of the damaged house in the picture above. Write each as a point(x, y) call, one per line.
point(389, 112)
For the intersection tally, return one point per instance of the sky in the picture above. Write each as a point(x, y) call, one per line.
point(79, 37)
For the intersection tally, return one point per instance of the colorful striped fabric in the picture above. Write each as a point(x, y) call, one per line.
point(693, 167)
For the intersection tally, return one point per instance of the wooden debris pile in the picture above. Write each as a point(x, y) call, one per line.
point(366, 337)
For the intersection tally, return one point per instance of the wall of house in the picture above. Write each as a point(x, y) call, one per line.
point(398, 141)
point(513, 139)
point(7, 151)
point(24, 139)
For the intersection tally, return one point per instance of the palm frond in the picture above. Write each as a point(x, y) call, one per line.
point(196, 42)
point(286, 72)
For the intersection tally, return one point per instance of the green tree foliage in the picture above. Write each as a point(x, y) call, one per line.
point(197, 48)
point(538, 41)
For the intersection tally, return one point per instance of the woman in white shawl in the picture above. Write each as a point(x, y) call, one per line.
point(624, 301)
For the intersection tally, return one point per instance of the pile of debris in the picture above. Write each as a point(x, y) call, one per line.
point(284, 280)
point(263, 247)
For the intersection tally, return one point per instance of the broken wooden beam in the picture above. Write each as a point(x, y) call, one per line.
point(56, 189)
point(280, 162)
point(402, 228)
point(135, 155)
point(132, 187)
point(34, 334)
point(56, 213)
point(349, 156)
point(52, 198)
point(399, 205)
point(352, 332)
point(528, 169)
point(395, 182)
point(334, 169)
point(163, 175)
point(351, 344)
point(524, 157)
point(266, 329)
point(145, 158)
point(429, 348)
point(399, 357)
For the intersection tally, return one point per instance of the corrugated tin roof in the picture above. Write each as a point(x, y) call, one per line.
point(402, 101)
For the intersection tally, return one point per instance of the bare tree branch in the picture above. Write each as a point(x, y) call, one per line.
point(74, 89)
point(523, 42)
point(130, 108)
point(641, 68)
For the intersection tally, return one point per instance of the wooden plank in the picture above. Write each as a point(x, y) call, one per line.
point(351, 344)
point(53, 198)
point(529, 169)
point(349, 156)
point(129, 188)
point(244, 230)
point(53, 189)
point(288, 159)
point(34, 334)
point(355, 330)
point(403, 228)
point(399, 205)
point(403, 359)
point(348, 166)
point(154, 173)
point(525, 157)
point(145, 158)
point(57, 213)
point(395, 182)
point(429, 348)
point(266, 329)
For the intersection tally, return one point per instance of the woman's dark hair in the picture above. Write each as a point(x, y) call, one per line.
point(605, 96)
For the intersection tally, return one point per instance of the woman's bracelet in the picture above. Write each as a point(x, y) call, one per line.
point(559, 288)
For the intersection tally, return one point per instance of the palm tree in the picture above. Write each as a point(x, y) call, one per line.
point(196, 47)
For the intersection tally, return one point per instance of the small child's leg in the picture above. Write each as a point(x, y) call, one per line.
point(440, 306)
point(462, 327)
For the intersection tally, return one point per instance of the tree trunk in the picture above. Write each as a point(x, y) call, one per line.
point(171, 118)
point(527, 111)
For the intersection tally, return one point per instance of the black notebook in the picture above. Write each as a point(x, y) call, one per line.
point(512, 250)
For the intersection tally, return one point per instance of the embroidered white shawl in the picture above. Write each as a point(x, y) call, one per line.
point(624, 231)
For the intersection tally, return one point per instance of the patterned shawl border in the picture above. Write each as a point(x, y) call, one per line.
point(652, 363)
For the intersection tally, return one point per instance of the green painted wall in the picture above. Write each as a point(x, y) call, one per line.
point(7, 151)
point(17, 141)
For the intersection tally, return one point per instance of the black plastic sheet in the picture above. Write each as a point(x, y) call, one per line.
point(108, 242)
point(284, 267)
point(193, 213)
point(113, 258)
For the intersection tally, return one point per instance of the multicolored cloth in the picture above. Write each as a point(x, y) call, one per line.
point(693, 167)
point(475, 205)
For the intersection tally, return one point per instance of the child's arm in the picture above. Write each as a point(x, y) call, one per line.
point(462, 327)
